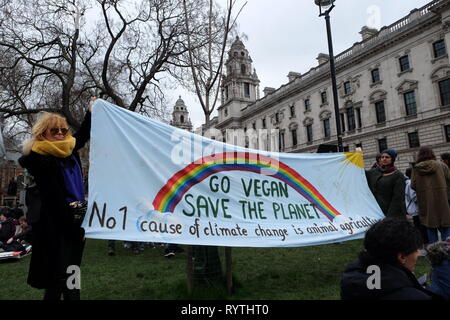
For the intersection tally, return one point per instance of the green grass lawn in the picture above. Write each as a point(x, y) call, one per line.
point(305, 273)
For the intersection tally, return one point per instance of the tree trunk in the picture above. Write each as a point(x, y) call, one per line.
point(190, 270)
point(229, 270)
point(207, 268)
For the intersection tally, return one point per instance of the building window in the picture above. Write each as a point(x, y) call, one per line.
point(254, 125)
point(358, 145)
point(382, 145)
point(309, 133)
point(404, 63)
point(323, 96)
point(439, 49)
point(413, 138)
point(358, 117)
point(243, 68)
point(247, 89)
point(410, 103)
point(281, 141)
point(226, 93)
point(447, 133)
point(351, 119)
point(326, 128)
point(181, 119)
point(292, 109)
point(277, 118)
point(225, 111)
point(307, 105)
point(342, 122)
point(379, 110)
point(444, 90)
point(264, 123)
point(375, 75)
point(347, 87)
point(294, 137)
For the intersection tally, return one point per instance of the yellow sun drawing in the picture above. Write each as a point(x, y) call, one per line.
point(355, 158)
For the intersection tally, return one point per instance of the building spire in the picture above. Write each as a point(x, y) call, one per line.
point(180, 116)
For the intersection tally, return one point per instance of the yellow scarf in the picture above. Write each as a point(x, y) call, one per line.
point(60, 148)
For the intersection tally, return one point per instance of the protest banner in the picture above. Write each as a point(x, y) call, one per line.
point(152, 182)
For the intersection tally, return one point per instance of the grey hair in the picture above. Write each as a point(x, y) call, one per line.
point(438, 252)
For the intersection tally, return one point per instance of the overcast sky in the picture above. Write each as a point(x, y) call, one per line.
point(287, 35)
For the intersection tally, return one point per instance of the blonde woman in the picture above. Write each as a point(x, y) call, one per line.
point(51, 157)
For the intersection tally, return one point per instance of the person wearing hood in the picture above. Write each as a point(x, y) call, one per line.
point(384, 270)
point(388, 185)
point(431, 180)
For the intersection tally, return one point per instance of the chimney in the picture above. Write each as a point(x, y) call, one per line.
point(323, 58)
point(268, 90)
point(366, 32)
point(293, 75)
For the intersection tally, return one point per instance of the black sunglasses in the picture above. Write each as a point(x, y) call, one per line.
point(56, 130)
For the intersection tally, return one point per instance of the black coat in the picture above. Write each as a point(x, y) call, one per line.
point(7, 229)
point(33, 203)
point(396, 283)
point(389, 191)
point(57, 240)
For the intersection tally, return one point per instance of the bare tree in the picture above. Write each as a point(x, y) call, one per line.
point(206, 44)
point(58, 60)
point(41, 38)
point(142, 44)
point(206, 62)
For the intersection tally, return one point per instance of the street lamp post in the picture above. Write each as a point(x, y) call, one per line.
point(325, 7)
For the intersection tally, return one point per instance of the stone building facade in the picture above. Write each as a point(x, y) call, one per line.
point(393, 87)
point(180, 116)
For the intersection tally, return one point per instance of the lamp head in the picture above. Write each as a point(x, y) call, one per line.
point(324, 5)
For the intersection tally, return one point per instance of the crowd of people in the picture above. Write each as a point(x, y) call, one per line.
point(393, 244)
point(15, 232)
point(422, 193)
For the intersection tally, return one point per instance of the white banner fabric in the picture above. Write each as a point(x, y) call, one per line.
point(152, 182)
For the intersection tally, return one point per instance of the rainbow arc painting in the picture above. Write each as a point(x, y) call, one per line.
point(176, 187)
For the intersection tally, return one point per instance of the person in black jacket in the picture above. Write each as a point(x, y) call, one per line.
point(25, 234)
point(384, 270)
point(7, 227)
point(51, 157)
point(12, 243)
point(387, 184)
